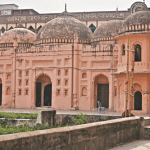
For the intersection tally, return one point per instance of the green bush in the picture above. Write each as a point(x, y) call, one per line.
point(18, 115)
point(6, 129)
point(79, 119)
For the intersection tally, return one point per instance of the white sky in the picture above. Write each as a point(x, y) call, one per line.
point(57, 6)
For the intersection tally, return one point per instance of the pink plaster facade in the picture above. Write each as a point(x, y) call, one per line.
point(69, 70)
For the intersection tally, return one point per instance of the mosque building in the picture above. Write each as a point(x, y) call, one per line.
point(67, 64)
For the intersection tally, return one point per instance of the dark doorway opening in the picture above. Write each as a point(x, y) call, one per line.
point(137, 52)
point(103, 94)
point(138, 101)
point(0, 94)
point(38, 94)
point(47, 95)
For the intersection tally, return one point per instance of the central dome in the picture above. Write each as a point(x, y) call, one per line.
point(64, 27)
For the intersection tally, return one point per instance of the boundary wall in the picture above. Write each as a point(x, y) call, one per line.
point(92, 136)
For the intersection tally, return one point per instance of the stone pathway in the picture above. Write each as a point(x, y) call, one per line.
point(89, 112)
point(136, 145)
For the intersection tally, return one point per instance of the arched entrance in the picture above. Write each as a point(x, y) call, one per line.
point(138, 100)
point(47, 95)
point(0, 92)
point(43, 91)
point(101, 90)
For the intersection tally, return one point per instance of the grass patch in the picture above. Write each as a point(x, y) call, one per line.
point(7, 129)
point(24, 128)
point(18, 115)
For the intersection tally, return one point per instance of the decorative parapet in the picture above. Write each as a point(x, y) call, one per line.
point(60, 40)
point(135, 28)
point(84, 42)
point(108, 38)
point(25, 44)
point(4, 45)
point(51, 41)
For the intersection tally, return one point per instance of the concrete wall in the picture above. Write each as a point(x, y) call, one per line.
point(92, 136)
point(65, 119)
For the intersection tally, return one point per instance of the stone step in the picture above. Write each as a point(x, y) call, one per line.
point(147, 133)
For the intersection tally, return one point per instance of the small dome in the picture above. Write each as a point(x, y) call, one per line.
point(108, 29)
point(64, 26)
point(22, 35)
point(140, 17)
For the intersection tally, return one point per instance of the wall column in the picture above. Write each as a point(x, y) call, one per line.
point(14, 73)
point(75, 73)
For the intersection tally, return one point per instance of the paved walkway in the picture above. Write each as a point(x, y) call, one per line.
point(89, 112)
point(136, 145)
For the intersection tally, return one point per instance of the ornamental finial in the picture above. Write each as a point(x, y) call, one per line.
point(65, 7)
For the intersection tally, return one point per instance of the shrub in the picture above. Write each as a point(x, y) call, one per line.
point(79, 119)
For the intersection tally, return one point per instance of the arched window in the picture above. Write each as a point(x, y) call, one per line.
point(19, 91)
point(92, 27)
point(137, 52)
point(84, 91)
point(66, 92)
point(27, 73)
point(123, 49)
point(27, 82)
point(58, 82)
point(58, 92)
point(84, 75)
point(66, 82)
point(59, 72)
point(20, 82)
point(8, 77)
point(20, 73)
point(26, 91)
point(115, 88)
point(66, 72)
point(8, 91)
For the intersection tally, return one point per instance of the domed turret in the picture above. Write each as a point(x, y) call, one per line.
point(22, 35)
point(108, 29)
point(140, 17)
point(65, 26)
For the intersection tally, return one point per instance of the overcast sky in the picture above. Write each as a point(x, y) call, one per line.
point(57, 6)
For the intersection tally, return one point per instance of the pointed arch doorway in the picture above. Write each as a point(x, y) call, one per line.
point(101, 90)
point(138, 100)
point(43, 91)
